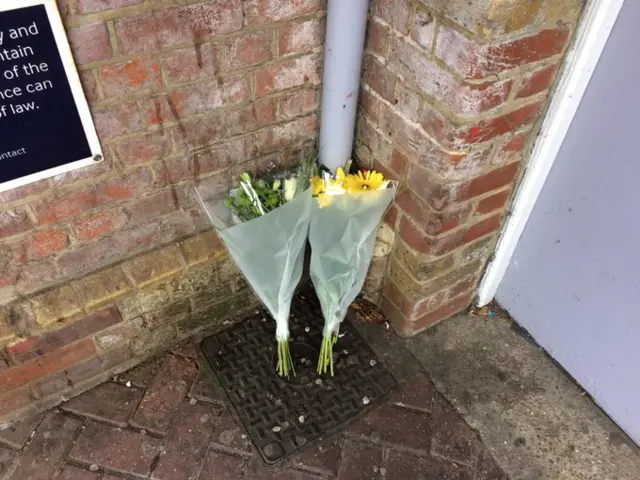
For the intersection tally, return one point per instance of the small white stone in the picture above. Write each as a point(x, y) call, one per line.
point(372, 363)
point(276, 429)
point(128, 384)
point(386, 325)
point(340, 335)
point(204, 418)
point(375, 469)
point(346, 352)
point(143, 431)
point(193, 401)
point(94, 468)
point(243, 436)
point(383, 471)
point(301, 418)
point(319, 381)
point(366, 400)
point(307, 329)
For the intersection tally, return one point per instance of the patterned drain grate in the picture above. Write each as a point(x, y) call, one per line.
point(282, 416)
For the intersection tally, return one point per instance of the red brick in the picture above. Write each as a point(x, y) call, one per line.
point(377, 37)
point(36, 276)
point(117, 120)
point(298, 103)
point(48, 447)
point(133, 76)
point(207, 97)
point(301, 37)
point(109, 249)
point(288, 74)
point(187, 443)
point(488, 129)
point(24, 192)
point(246, 50)
point(108, 403)
point(451, 308)
point(394, 12)
point(390, 424)
point(229, 436)
point(537, 82)
point(46, 242)
point(494, 202)
point(478, 61)
point(90, 43)
point(266, 11)
point(124, 187)
point(493, 180)
point(145, 148)
point(391, 217)
point(116, 449)
point(482, 228)
point(160, 109)
point(183, 224)
point(100, 224)
point(92, 172)
point(69, 472)
point(412, 308)
point(512, 149)
point(399, 163)
point(431, 189)
point(93, 6)
point(419, 241)
point(44, 344)
point(433, 223)
point(192, 23)
point(464, 287)
point(165, 396)
point(401, 465)
point(89, 85)
point(463, 98)
point(423, 28)
point(452, 437)
point(14, 400)
point(223, 466)
point(47, 364)
point(152, 206)
point(190, 63)
point(17, 434)
point(66, 206)
point(380, 78)
point(283, 136)
point(13, 222)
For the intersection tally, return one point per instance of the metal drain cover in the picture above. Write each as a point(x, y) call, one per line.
point(281, 416)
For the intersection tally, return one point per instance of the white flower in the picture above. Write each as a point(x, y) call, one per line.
point(290, 187)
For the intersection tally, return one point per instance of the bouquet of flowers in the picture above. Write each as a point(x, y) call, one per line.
point(344, 222)
point(264, 224)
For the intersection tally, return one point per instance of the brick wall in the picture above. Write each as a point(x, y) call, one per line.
point(101, 267)
point(451, 96)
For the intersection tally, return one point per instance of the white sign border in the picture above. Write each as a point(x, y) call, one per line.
point(77, 91)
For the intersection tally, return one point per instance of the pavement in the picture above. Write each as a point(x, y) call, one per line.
point(532, 417)
point(168, 419)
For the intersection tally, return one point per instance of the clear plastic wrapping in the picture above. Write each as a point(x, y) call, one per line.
point(342, 236)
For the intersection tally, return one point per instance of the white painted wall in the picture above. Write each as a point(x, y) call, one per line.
point(574, 280)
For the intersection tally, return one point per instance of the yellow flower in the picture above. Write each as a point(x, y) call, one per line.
point(324, 200)
point(365, 181)
point(340, 176)
point(318, 186)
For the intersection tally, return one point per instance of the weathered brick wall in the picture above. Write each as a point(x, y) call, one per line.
point(451, 94)
point(101, 266)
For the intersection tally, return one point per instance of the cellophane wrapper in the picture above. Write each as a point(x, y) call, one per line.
point(342, 237)
point(269, 250)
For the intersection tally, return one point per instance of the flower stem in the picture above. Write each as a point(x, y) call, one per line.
point(325, 360)
point(285, 366)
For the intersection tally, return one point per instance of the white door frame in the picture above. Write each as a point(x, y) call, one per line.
point(593, 32)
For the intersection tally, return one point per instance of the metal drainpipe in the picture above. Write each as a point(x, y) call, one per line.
point(343, 52)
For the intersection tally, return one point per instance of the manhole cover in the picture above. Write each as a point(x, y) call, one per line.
point(281, 416)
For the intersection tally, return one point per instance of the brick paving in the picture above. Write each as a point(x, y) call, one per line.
point(167, 419)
